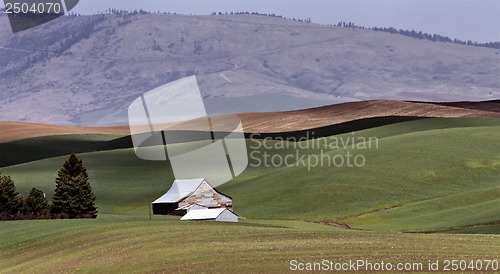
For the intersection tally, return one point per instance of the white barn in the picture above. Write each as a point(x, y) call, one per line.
point(185, 195)
point(212, 214)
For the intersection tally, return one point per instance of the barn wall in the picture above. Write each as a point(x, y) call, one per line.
point(205, 195)
point(165, 209)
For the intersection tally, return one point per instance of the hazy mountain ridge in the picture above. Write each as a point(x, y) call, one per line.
point(88, 69)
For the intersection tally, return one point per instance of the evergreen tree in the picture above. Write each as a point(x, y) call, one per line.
point(20, 208)
point(73, 197)
point(37, 204)
point(8, 198)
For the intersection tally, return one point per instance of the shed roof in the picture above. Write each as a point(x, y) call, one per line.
point(203, 214)
point(179, 190)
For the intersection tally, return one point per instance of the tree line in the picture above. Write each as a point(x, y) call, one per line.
point(409, 33)
point(73, 196)
point(308, 20)
point(423, 36)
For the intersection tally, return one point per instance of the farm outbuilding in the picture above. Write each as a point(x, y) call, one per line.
point(185, 195)
point(214, 214)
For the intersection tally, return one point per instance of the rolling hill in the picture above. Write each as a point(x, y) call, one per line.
point(346, 112)
point(86, 70)
point(12, 131)
point(427, 172)
point(428, 178)
point(289, 121)
point(433, 177)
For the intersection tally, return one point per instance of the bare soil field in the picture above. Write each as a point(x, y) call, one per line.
point(273, 122)
point(335, 114)
point(11, 131)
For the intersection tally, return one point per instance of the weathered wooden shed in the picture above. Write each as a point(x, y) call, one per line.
point(188, 194)
point(214, 214)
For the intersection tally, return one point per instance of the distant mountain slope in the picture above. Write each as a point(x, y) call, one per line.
point(86, 70)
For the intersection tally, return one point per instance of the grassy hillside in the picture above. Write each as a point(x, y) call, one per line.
point(429, 180)
point(430, 173)
point(120, 180)
point(28, 150)
point(172, 246)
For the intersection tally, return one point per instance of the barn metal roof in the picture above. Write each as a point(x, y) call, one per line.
point(179, 190)
point(203, 214)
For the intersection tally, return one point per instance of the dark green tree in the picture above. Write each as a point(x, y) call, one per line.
point(20, 208)
point(73, 197)
point(37, 204)
point(9, 204)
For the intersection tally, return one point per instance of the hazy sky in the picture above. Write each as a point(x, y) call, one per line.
point(477, 20)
